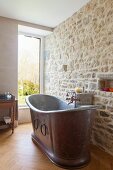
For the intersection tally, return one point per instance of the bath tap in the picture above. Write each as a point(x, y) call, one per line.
point(73, 98)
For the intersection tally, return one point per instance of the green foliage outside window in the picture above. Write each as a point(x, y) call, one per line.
point(26, 87)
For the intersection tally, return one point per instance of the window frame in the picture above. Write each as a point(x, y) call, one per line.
point(41, 61)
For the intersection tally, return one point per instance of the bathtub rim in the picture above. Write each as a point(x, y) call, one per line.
point(91, 107)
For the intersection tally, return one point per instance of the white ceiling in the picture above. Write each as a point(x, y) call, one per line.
point(43, 12)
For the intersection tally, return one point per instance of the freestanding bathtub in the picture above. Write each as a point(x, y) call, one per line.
point(62, 132)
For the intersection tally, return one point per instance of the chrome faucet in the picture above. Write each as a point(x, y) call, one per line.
point(73, 98)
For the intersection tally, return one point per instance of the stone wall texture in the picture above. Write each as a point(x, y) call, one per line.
point(78, 51)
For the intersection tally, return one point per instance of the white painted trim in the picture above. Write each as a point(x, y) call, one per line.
point(42, 66)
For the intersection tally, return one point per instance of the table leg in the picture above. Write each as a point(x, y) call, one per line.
point(13, 119)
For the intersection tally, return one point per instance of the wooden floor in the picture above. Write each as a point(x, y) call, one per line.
point(18, 152)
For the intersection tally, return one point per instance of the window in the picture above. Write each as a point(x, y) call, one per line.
point(28, 66)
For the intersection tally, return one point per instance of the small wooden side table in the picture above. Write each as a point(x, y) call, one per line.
point(11, 106)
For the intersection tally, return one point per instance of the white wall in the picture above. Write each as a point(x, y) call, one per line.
point(24, 115)
point(8, 56)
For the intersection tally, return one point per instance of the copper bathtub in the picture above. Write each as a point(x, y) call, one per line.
point(61, 131)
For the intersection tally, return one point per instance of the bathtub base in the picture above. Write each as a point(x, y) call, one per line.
point(63, 163)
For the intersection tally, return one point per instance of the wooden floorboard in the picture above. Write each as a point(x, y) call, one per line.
point(18, 152)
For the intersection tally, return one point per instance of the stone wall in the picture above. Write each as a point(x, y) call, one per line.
point(78, 51)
